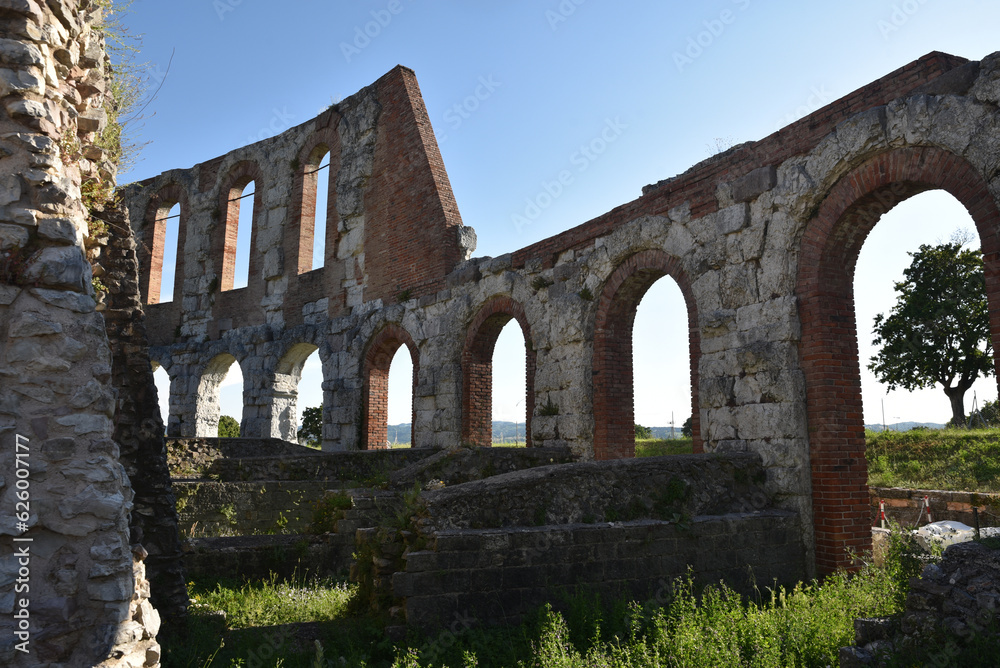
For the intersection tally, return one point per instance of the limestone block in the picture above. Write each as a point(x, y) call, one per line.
point(987, 85)
point(739, 285)
point(12, 236)
point(61, 267)
point(29, 323)
point(20, 53)
point(760, 421)
point(732, 219)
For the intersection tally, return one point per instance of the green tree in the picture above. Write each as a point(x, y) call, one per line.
point(643, 432)
point(939, 329)
point(228, 427)
point(311, 431)
point(687, 429)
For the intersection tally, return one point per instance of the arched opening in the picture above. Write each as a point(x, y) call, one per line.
point(377, 362)
point(238, 234)
point(478, 407)
point(830, 247)
point(163, 260)
point(316, 209)
point(929, 218)
point(510, 408)
point(162, 381)
point(660, 362)
point(220, 392)
point(286, 409)
point(613, 390)
point(399, 412)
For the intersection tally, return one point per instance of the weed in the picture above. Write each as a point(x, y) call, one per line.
point(328, 511)
point(540, 282)
point(586, 294)
point(404, 296)
point(549, 408)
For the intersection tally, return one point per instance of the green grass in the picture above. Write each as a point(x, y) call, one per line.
point(655, 447)
point(802, 626)
point(949, 459)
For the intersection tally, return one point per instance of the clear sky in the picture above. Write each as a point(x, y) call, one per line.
point(515, 88)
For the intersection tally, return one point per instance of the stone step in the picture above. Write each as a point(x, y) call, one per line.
point(256, 557)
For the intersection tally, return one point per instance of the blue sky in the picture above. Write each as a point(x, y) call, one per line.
point(514, 89)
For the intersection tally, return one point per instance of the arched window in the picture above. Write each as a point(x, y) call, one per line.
point(220, 392)
point(316, 210)
point(239, 238)
point(478, 405)
point(614, 410)
point(830, 248)
point(377, 362)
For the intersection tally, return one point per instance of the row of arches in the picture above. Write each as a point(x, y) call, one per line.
point(233, 248)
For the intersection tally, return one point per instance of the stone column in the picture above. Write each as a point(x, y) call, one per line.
point(86, 602)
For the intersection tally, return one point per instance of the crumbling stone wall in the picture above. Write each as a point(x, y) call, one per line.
point(492, 551)
point(72, 588)
point(762, 240)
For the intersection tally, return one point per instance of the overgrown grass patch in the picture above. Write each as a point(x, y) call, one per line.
point(656, 447)
point(949, 459)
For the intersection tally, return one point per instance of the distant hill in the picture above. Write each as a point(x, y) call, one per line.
point(905, 426)
point(506, 432)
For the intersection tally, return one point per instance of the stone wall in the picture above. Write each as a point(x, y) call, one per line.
point(497, 576)
point(950, 617)
point(251, 558)
point(65, 523)
point(904, 506)
point(491, 551)
point(761, 239)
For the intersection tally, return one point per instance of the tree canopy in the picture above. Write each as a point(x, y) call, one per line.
point(228, 427)
point(311, 431)
point(938, 332)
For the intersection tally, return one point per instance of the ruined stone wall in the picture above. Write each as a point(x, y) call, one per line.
point(492, 551)
point(73, 589)
point(761, 239)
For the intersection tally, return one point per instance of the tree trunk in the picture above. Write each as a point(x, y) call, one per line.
point(957, 397)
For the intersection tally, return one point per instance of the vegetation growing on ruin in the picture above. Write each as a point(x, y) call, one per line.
point(682, 626)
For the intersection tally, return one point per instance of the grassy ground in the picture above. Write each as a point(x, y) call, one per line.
point(951, 459)
point(802, 627)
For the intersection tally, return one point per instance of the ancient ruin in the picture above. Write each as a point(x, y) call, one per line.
point(761, 239)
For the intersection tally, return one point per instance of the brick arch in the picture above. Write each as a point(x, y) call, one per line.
point(477, 369)
point(830, 246)
point(614, 416)
point(207, 410)
point(300, 237)
point(377, 358)
point(224, 244)
point(153, 241)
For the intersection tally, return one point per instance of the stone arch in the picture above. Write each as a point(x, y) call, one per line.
point(224, 244)
point(614, 418)
point(307, 181)
point(153, 240)
point(377, 358)
point(477, 369)
point(207, 406)
point(285, 391)
point(830, 245)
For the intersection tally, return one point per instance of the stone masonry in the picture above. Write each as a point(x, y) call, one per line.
point(762, 240)
point(73, 590)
